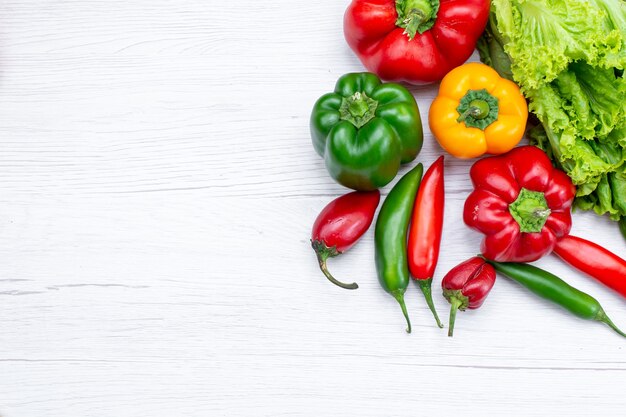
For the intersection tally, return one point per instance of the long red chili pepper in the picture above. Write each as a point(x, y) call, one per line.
point(425, 231)
point(594, 260)
point(340, 225)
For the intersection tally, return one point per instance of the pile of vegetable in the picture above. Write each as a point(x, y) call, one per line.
point(568, 56)
point(565, 57)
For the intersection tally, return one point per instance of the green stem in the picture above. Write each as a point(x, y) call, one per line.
point(400, 298)
point(602, 317)
point(455, 303)
point(358, 109)
point(478, 108)
point(530, 210)
point(416, 16)
point(426, 287)
point(321, 259)
point(622, 226)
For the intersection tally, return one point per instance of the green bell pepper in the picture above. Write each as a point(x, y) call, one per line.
point(365, 130)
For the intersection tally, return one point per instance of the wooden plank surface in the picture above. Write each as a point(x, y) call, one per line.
point(157, 188)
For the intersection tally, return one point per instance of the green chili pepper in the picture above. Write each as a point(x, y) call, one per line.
point(390, 237)
point(622, 226)
point(553, 288)
point(365, 130)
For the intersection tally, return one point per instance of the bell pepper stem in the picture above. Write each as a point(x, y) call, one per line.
point(399, 296)
point(478, 108)
point(358, 109)
point(602, 317)
point(416, 16)
point(426, 287)
point(530, 210)
point(323, 253)
point(455, 303)
point(358, 106)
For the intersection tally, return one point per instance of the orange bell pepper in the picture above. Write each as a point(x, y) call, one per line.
point(477, 112)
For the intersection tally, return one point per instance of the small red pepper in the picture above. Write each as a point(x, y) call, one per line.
point(594, 260)
point(416, 41)
point(340, 225)
point(467, 285)
point(521, 203)
point(425, 231)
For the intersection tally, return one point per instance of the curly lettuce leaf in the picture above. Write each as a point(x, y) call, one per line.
point(542, 37)
point(590, 100)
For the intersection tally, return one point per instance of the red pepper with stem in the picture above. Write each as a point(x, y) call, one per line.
point(467, 285)
point(521, 203)
point(416, 41)
point(340, 225)
point(425, 231)
point(594, 260)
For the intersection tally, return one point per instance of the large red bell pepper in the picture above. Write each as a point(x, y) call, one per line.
point(417, 41)
point(521, 203)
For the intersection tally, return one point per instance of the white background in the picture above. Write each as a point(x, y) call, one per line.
point(157, 189)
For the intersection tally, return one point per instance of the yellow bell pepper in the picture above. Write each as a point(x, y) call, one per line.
point(477, 112)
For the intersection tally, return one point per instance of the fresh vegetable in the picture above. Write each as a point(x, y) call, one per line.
point(417, 41)
point(553, 288)
point(340, 225)
point(390, 237)
point(425, 231)
point(477, 112)
point(365, 129)
point(521, 203)
point(622, 226)
point(594, 260)
point(569, 56)
point(467, 285)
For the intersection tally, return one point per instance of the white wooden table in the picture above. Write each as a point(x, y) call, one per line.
point(157, 188)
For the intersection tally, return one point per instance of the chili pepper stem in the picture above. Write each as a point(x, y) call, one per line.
point(425, 286)
point(323, 253)
point(455, 303)
point(322, 262)
point(399, 296)
point(602, 317)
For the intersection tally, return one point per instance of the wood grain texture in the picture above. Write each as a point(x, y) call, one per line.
point(157, 188)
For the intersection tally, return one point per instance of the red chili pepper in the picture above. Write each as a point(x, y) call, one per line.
point(594, 260)
point(417, 41)
point(467, 285)
point(425, 231)
point(340, 225)
point(521, 203)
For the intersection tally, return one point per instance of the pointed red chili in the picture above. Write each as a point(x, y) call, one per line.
point(594, 260)
point(467, 285)
point(425, 231)
point(340, 225)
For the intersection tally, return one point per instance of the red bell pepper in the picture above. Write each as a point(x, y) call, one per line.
point(467, 285)
point(521, 203)
point(417, 41)
point(340, 225)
